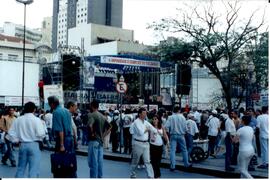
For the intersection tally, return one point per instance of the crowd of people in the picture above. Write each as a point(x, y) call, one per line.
point(146, 135)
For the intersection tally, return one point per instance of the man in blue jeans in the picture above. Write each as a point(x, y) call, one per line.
point(177, 127)
point(62, 129)
point(28, 130)
point(230, 132)
point(98, 128)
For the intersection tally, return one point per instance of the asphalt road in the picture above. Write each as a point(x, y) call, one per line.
point(111, 169)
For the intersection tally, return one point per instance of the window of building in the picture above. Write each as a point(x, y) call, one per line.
point(29, 58)
point(1, 56)
point(43, 24)
point(82, 20)
point(12, 57)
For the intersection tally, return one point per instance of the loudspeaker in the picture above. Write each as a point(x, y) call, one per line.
point(183, 79)
point(47, 79)
point(71, 72)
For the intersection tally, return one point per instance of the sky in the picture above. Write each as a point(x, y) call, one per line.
point(136, 13)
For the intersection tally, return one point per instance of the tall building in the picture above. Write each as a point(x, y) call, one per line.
point(46, 30)
point(17, 30)
point(71, 13)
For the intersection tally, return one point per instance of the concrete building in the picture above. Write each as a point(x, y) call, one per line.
point(16, 30)
point(104, 40)
point(11, 71)
point(206, 90)
point(71, 13)
point(46, 31)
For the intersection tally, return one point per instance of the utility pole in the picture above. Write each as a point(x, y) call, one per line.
point(81, 73)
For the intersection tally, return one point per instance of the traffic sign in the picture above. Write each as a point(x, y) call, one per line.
point(121, 87)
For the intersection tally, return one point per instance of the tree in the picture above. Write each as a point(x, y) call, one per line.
point(258, 54)
point(174, 50)
point(214, 40)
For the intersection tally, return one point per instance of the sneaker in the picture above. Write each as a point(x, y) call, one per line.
point(139, 167)
point(172, 169)
point(143, 166)
point(13, 165)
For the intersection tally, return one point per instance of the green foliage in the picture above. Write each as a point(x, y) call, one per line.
point(258, 52)
point(174, 50)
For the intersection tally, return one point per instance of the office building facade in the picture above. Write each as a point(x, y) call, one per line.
point(17, 30)
point(71, 13)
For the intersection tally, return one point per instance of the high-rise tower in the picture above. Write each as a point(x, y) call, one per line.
point(71, 13)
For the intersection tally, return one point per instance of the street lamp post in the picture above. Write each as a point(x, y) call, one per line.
point(25, 2)
point(148, 88)
point(121, 79)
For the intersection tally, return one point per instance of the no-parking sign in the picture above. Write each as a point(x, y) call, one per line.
point(121, 87)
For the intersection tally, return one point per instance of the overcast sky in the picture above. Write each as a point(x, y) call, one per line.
point(136, 13)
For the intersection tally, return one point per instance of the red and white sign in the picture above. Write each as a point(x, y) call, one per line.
point(121, 87)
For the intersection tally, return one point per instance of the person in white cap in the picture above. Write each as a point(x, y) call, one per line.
point(213, 124)
point(192, 129)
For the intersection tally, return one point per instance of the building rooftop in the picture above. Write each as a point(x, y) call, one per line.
point(12, 39)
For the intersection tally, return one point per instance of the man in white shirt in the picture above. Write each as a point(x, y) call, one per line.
point(28, 130)
point(140, 145)
point(197, 116)
point(262, 124)
point(213, 124)
point(192, 129)
point(230, 133)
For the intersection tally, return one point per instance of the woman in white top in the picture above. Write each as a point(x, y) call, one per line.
point(156, 145)
point(245, 136)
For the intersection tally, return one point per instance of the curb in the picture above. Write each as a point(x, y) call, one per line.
point(212, 172)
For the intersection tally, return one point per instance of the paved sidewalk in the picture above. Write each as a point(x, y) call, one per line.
point(210, 166)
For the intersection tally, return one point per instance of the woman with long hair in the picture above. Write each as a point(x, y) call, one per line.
point(156, 145)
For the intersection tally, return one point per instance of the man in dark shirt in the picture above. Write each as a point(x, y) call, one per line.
point(98, 128)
